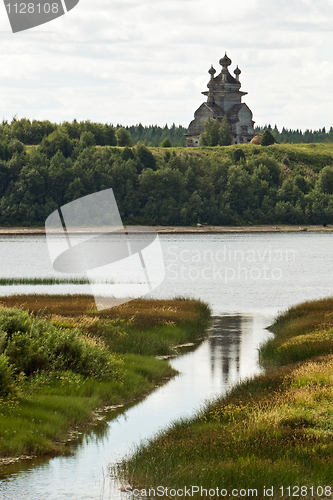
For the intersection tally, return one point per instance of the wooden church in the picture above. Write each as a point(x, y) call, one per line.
point(224, 97)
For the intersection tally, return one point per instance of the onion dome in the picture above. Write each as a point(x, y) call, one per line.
point(237, 71)
point(212, 71)
point(210, 85)
point(225, 61)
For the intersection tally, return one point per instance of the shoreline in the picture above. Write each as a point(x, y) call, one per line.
point(204, 229)
point(99, 416)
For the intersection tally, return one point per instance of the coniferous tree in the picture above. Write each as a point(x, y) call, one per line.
point(166, 143)
point(267, 139)
point(225, 138)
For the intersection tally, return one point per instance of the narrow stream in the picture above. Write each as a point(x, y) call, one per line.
point(228, 355)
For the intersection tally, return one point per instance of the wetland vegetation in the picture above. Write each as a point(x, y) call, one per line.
point(60, 359)
point(273, 430)
point(43, 281)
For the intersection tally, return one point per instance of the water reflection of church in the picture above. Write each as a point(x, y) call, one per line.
point(225, 346)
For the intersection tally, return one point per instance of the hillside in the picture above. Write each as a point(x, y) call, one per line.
point(234, 185)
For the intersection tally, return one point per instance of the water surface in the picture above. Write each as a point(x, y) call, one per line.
point(247, 279)
point(222, 360)
point(232, 272)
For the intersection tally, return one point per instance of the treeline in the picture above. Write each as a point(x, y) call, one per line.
point(155, 135)
point(33, 132)
point(218, 186)
point(297, 136)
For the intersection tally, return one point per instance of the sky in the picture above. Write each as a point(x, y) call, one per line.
point(131, 61)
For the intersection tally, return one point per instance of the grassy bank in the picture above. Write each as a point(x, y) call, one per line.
point(63, 359)
point(274, 430)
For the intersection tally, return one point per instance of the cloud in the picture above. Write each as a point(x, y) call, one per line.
point(144, 61)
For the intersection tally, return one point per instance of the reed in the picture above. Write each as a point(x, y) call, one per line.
point(146, 327)
point(43, 281)
point(304, 331)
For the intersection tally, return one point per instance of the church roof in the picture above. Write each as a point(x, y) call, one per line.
point(196, 127)
point(228, 79)
point(214, 108)
point(233, 112)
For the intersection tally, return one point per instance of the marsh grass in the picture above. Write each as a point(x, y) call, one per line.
point(305, 331)
point(43, 281)
point(42, 407)
point(145, 327)
point(275, 429)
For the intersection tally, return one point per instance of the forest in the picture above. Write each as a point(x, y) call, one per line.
point(297, 136)
point(222, 185)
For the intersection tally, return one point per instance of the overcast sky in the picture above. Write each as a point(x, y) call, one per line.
point(147, 61)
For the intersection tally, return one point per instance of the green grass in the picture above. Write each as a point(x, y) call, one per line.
point(160, 340)
point(273, 430)
point(306, 331)
point(39, 416)
point(312, 156)
point(45, 397)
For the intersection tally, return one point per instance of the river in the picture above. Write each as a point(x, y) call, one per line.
point(246, 278)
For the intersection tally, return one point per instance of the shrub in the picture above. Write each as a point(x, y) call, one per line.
point(127, 154)
point(238, 155)
point(14, 320)
point(267, 139)
point(27, 353)
point(6, 374)
point(33, 345)
point(166, 143)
